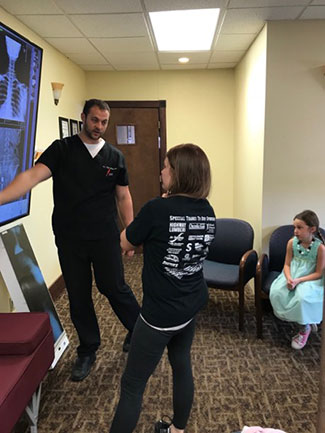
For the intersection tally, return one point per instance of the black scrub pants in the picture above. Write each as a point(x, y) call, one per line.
point(76, 258)
point(147, 347)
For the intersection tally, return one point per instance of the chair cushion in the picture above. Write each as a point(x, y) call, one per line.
point(20, 375)
point(220, 275)
point(271, 276)
point(21, 333)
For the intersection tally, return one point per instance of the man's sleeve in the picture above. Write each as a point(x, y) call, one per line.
point(50, 156)
point(140, 228)
point(122, 176)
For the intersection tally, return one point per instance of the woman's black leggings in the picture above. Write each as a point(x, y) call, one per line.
point(147, 347)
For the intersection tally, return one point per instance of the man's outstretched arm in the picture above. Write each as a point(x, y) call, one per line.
point(24, 182)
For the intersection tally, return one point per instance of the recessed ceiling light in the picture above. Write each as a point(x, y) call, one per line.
point(185, 30)
point(183, 60)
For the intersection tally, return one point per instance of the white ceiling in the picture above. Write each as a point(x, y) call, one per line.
point(107, 35)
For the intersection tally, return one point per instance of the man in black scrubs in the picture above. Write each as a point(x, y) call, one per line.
point(90, 183)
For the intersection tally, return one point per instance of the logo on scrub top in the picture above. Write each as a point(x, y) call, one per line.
point(109, 170)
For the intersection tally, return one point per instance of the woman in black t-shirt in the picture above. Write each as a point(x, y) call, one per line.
point(176, 231)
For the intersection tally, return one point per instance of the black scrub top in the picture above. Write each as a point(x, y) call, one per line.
point(84, 187)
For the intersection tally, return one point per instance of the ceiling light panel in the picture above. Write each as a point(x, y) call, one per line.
point(184, 30)
point(174, 5)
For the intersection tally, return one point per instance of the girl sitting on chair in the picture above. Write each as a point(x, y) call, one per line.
point(297, 293)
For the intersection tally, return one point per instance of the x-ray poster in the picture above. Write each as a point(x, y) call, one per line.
point(25, 282)
point(20, 69)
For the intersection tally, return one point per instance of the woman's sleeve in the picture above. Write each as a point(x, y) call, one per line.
point(140, 228)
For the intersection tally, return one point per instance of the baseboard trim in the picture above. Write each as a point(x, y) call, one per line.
point(57, 288)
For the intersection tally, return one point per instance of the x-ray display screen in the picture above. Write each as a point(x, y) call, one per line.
point(20, 69)
point(29, 275)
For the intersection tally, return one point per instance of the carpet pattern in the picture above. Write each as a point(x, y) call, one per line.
point(239, 380)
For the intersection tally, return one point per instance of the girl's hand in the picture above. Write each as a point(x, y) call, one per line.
point(293, 283)
point(289, 284)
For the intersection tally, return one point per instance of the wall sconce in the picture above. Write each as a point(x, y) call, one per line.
point(57, 89)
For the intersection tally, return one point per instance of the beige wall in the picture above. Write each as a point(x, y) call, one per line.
point(55, 67)
point(294, 151)
point(200, 109)
point(250, 80)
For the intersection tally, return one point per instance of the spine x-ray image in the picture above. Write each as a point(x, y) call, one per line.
point(20, 67)
point(13, 93)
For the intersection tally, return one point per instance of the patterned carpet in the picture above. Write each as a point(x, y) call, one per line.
point(239, 380)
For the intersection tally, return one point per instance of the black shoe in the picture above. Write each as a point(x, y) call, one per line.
point(162, 426)
point(127, 342)
point(82, 367)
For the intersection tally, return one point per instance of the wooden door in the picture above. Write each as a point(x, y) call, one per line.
point(145, 151)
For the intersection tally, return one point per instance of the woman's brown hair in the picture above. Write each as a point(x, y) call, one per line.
point(190, 173)
point(311, 220)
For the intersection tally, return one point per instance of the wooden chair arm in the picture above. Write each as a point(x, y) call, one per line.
point(261, 272)
point(262, 262)
point(247, 266)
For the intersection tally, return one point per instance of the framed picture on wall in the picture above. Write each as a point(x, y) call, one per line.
point(64, 127)
point(74, 126)
point(80, 125)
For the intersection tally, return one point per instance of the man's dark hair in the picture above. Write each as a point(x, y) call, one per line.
point(102, 105)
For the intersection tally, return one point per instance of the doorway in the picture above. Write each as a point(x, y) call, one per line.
point(138, 130)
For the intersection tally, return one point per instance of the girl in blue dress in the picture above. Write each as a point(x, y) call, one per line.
point(297, 293)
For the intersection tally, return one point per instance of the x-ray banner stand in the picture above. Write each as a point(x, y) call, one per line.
point(25, 282)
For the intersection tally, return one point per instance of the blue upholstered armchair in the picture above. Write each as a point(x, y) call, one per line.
point(231, 261)
point(269, 267)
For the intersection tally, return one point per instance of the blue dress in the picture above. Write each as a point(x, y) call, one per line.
point(304, 304)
